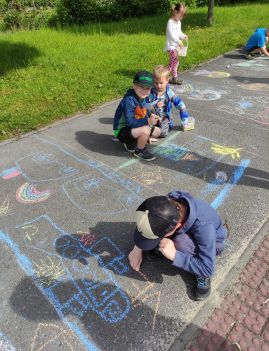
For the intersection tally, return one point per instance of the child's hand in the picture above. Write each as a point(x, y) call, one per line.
point(135, 258)
point(167, 248)
point(153, 119)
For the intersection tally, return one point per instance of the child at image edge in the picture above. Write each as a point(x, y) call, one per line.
point(174, 35)
point(161, 99)
point(134, 123)
point(256, 44)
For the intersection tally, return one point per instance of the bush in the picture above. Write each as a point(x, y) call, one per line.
point(83, 11)
point(3, 7)
point(28, 19)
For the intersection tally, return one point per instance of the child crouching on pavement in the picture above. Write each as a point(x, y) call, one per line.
point(185, 230)
point(134, 123)
point(161, 99)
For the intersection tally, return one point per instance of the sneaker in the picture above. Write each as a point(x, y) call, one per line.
point(144, 154)
point(202, 288)
point(176, 81)
point(248, 56)
point(130, 147)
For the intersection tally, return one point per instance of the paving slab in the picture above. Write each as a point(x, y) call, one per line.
point(67, 203)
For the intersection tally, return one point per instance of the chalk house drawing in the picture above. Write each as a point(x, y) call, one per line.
point(100, 292)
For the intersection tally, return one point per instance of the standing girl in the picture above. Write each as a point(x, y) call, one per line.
point(174, 35)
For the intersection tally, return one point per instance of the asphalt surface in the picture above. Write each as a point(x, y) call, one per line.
point(67, 203)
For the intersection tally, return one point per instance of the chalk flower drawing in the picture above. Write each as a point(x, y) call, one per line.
point(27, 193)
point(4, 208)
point(48, 272)
point(227, 151)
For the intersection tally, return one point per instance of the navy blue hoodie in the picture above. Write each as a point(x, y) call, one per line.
point(132, 112)
point(205, 228)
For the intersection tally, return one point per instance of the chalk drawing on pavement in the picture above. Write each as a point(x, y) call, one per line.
point(4, 208)
point(5, 344)
point(206, 95)
point(263, 117)
point(254, 86)
point(48, 270)
point(151, 176)
point(249, 64)
point(56, 336)
point(109, 197)
point(28, 194)
point(183, 88)
point(227, 151)
point(10, 173)
point(43, 167)
point(211, 74)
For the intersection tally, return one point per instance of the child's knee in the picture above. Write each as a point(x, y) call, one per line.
point(157, 132)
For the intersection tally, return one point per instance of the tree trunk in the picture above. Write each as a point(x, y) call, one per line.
point(210, 12)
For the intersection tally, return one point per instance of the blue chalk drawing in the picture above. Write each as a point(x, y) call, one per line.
point(5, 344)
point(238, 173)
point(27, 266)
point(103, 296)
point(44, 163)
point(115, 304)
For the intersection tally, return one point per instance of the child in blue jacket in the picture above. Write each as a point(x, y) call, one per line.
point(162, 98)
point(256, 44)
point(134, 122)
point(187, 231)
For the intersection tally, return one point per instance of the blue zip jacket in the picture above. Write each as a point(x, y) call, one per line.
point(162, 105)
point(132, 112)
point(205, 228)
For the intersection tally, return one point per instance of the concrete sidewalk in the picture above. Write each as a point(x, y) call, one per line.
point(67, 202)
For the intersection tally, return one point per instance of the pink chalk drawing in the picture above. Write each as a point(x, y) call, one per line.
point(263, 117)
point(27, 194)
point(10, 173)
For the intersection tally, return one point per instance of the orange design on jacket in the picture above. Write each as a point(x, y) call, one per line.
point(140, 112)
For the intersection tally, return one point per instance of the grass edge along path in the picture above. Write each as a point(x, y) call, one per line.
point(48, 74)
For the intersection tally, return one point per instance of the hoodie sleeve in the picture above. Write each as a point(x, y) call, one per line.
point(135, 115)
point(204, 262)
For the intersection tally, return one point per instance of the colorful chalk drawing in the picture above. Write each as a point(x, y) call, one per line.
point(28, 194)
point(205, 95)
point(224, 150)
point(248, 107)
point(5, 344)
point(207, 165)
point(94, 178)
point(55, 334)
point(99, 292)
point(211, 74)
point(4, 208)
point(10, 173)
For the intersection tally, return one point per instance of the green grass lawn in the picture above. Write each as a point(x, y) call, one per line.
point(49, 74)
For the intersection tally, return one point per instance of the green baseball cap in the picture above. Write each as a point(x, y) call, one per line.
point(143, 78)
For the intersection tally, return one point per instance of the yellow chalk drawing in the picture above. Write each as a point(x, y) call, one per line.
point(48, 271)
point(223, 150)
point(60, 333)
point(143, 295)
point(4, 208)
point(30, 231)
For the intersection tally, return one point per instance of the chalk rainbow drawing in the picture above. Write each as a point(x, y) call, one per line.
point(224, 150)
point(10, 173)
point(28, 194)
point(4, 208)
point(211, 74)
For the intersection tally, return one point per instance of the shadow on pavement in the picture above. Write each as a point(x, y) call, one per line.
point(103, 144)
point(136, 326)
